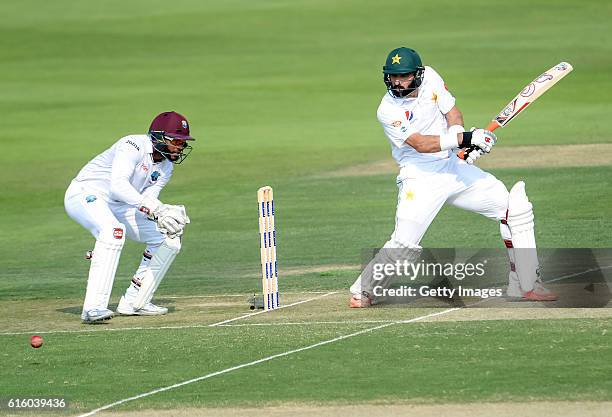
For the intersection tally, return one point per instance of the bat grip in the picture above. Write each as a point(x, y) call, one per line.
point(492, 126)
point(463, 153)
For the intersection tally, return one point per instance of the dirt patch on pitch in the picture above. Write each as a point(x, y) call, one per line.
point(318, 269)
point(505, 157)
point(301, 270)
point(525, 409)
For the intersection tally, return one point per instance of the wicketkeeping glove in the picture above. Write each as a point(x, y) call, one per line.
point(171, 220)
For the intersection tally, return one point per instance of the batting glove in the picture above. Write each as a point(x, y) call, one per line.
point(484, 139)
point(473, 154)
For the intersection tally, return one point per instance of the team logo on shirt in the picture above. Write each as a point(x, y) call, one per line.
point(396, 123)
point(409, 115)
point(118, 233)
point(154, 176)
point(434, 97)
point(409, 195)
point(91, 198)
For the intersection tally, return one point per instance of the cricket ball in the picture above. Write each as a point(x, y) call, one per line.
point(36, 341)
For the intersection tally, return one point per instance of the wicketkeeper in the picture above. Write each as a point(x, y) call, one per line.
point(115, 196)
point(424, 128)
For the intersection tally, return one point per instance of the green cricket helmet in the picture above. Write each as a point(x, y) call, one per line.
point(403, 61)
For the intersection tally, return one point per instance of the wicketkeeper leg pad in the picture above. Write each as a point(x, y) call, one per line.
point(152, 276)
point(104, 262)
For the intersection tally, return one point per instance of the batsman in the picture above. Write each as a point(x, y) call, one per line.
point(425, 129)
point(115, 196)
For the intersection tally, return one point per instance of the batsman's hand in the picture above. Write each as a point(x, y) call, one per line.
point(483, 139)
point(171, 220)
point(472, 154)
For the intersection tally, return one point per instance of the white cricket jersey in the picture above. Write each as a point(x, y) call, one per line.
point(126, 171)
point(401, 117)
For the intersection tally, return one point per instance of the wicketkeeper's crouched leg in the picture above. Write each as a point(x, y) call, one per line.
point(102, 269)
point(157, 259)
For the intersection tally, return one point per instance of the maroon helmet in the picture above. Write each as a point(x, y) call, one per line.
point(171, 124)
point(166, 127)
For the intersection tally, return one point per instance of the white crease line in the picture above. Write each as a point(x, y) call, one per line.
point(575, 274)
point(244, 316)
point(307, 323)
point(116, 329)
point(266, 359)
point(245, 296)
point(193, 326)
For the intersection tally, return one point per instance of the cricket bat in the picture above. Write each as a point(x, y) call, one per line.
point(528, 95)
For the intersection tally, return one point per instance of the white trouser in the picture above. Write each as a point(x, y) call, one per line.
point(421, 198)
point(89, 208)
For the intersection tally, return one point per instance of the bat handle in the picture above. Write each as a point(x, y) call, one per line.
point(463, 153)
point(492, 126)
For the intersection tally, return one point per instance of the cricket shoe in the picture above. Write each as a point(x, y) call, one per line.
point(360, 301)
point(539, 292)
point(96, 315)
point(150, 309)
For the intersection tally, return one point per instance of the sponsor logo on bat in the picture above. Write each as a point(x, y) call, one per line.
point(506, 112)
point(529, 90)
point(543, 78)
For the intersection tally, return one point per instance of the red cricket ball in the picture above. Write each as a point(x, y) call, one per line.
point(36, 341)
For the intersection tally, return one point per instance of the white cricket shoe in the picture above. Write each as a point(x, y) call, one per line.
point(96, 315)
point(125, 308)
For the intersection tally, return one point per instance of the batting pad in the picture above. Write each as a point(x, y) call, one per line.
point(104, 262)
point(520, 221)
point(160, 263)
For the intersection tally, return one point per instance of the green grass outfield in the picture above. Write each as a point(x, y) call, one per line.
point(284, 93)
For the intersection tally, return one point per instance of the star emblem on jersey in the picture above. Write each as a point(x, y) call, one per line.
point(409, 195)
point(396, 59)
